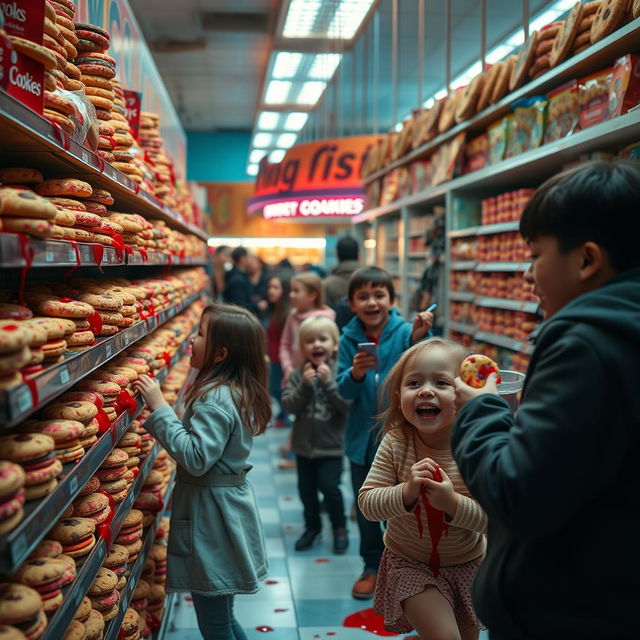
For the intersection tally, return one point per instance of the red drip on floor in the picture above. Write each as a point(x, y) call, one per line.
point(271, 582)
point(280, 610)
point(367, 620)
point(321, 560)
point(264, 629)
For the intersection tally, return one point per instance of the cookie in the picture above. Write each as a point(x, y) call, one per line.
point(57, 102)
point(54, 349)
point(104, 582)
point(102, 301)
point(105, 389)
point(116, 458)
point(586, 23)
point(92, 36)
point(66, 203)
point(469, 100)
point(36, 491)
point(76, 535)
point(80, 411)
point(35, 51)
point(88, 505)
point(7, 632)
point(65, 218)
point(130, 623)
point(540, 66)
point(26, 449)
point(20, 606)
point(609, 16)
point(582, 40)
point(20, 175)
point(60, 119)
point(105, 601)
point(65, 187)
point(47, 549)
point(108, 376)
point(31, 226)
point(75, 631)
point(83, 610)
point(22, 204)
point(96, 208)
point(69, 451)
point(60, 307)
point(96, 81)
point(80, 339)
point(501, 85)
point(12, 477)
point(148, 502)
point(117, 557)
point(114, 486)
point(475, 370)
point(94, 625)
point(111, 474)
point(525, 60)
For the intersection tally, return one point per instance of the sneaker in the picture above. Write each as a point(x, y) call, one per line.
point(340, 540)
point(307, 540)
point(364, 586)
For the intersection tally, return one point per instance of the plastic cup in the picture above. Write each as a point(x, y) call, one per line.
point(511, 387)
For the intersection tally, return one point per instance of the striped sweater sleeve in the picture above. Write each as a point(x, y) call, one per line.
point(469, 515)
point(380, 497)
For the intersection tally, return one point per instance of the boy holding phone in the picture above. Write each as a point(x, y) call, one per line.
point(361, 370)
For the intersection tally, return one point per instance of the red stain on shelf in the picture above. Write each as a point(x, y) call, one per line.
point(367, 620)
point(331, 633)
point(280, 610)
point(321, 560)
point(264, 629)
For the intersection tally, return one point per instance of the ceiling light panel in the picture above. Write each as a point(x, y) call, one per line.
point(324, 66)
point(348, 18)
point(252, 170)
point(268, 120)
point(277, 92)
point(310, 92)
point(301, 18)
point(295, 121)
point(256, 155)
point(262, 140)
point(277, 155)
point(286, 140)
point(286, 65)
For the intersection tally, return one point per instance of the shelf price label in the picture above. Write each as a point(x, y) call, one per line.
point(73, 484)
point(108, 349)
point(64, 375)
point(24, 400)
point(48, 256)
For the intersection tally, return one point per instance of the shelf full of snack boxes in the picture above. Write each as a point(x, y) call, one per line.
point(75, 592)
point(21, 400)
point(16, 545)
point(58, 253)
point(603, 53)
point(28, 139)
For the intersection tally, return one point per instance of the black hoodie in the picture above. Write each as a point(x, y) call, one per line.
point(561, 482)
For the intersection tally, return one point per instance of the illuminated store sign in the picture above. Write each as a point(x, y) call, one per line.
point(314, 181)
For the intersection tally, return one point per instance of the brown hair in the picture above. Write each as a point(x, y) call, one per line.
point(244, 369)
point(312, 283)
point(392, 417)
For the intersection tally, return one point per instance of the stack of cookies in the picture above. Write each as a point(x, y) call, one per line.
point(35, 453)
point(140, 599)
point(130, 534)
point(131, 443)
point(93, 505)
point(79, 407)
point(12, 497)
point(46, 576)
point(542, 59)
point(149, 503)
point(582, 38)
point(15, 353)
point(91, 427)
point(117, 560)
point(21, 608)
point(132, 625)
point(114, 475)
point(21, 210)
point(52, 550)
point(76, 536)
point(103, 594)
point(159, 555)
point(65, 433)
point(156, 600)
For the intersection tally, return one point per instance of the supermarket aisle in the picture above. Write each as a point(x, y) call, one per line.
point(308, 594)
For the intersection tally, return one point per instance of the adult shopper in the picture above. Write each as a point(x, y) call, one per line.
point(238, 289)
point(336, 284)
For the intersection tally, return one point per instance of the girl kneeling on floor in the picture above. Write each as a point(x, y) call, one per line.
point(216, 544)
point(434, 538)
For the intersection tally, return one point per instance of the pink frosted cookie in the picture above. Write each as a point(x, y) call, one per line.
point(13, 336)
point(14, 312)
point(60, 430)
point(475, 370)
point(112, 473)
point(30, 226)
point(69, 204)
point(60, 307)
point(65, 187)
point(102, 196)
point(47, 549)
point(20, 175)
point(108, 390)
point(80, 411)
point(80, 339)
point(93, 484)
point(106, 601)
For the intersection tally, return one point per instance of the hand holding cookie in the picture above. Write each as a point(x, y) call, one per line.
point(150, 391)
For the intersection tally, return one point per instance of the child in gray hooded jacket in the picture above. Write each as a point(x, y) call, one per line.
point(320, 413)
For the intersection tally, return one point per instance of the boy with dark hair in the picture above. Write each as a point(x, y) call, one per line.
point(559, 481)
point(371, 296)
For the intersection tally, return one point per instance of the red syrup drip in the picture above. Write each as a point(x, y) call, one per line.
point(331, 633)
point(367, 620)
point(321, 560)
point(280, 610)
point(271, 582)
point(263, 628)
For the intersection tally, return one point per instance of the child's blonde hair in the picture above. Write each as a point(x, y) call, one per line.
point(392, 417)
point(313, 284)
point(316, 324)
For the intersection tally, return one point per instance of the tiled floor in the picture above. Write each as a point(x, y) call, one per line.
point(309, 593)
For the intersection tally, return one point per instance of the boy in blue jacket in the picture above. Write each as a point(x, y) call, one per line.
point(559, 480)
point(360, 375)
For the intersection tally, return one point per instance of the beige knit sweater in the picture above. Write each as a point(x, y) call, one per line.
point(380, 498)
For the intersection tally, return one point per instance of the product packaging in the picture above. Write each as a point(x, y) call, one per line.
point(498, 134)
point(624, 91)
point(421, 175)
point(476, 154)
point(593, 98)
point(447, 161)
point(563, 112)
point(527, 127)
point(631, 152)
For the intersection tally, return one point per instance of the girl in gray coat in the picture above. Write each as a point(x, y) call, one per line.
point(216, 545)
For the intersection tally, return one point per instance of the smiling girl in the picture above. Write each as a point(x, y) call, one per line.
point(434, 538)
point(216, 544)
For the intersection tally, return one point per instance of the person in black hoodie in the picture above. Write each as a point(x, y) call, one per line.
point(559, 480)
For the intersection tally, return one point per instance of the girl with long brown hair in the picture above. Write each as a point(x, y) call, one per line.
point(216, 544)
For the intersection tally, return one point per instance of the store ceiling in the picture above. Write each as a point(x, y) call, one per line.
point(213, 54)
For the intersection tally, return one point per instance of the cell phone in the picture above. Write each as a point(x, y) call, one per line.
point(370, 348)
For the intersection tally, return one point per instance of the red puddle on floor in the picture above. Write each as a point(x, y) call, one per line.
point(320, 560)
point(263, 628)
point(367, 620)
point(280, 610)
point(271, 582)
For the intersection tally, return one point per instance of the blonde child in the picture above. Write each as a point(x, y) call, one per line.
point(216, 545)
point(307, 299)
point(318, 431)
point(434, 538)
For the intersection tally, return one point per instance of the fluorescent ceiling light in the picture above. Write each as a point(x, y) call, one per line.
point(295, 121)
point(544, 19)
point(498, 53)
point(516, 39)
point(256, 155)
point(252, 170)
point(441, 94)
point(286, 64)
point(268, 120)
point(467, 76)
point(286, 140)
point(277, 155)
point(301, 18)
point(277, 92)
point(348, 18)
point(262, 140)
point(310, 92)
point(324, 66)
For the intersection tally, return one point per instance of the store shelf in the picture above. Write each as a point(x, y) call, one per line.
point(596, 57)
point(16, 546)
point(462, 296)
point(462, 327)
point(504, 341)
point(30, 140)
point(463, 265)
point(19, 402)
point(503, 266)
point(463, 233)
point(74, 593)
point(500, 227)
point(504, 303)
point(152, 258)
point(113, 627)
point(433, 195)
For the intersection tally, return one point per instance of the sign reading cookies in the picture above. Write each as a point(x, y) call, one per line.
point(315, 180)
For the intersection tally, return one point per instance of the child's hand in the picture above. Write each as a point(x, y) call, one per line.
point(308, 374)
point(418, 474)
point(441, 494)
point(150, 391)
point(464, 392)
point(421, 326)
point(324, 372)
point(362, 362)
